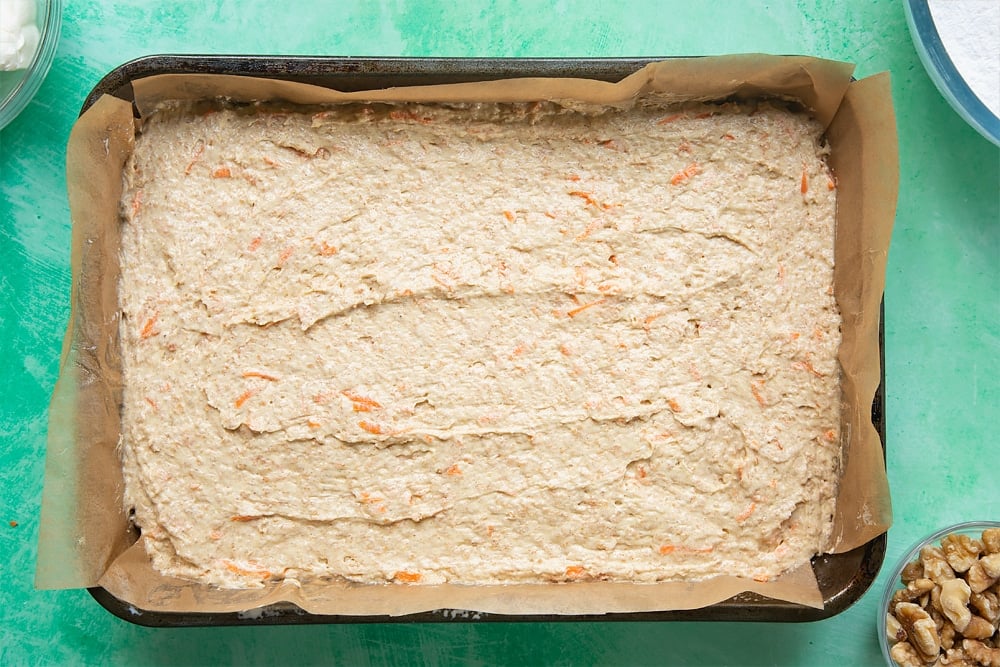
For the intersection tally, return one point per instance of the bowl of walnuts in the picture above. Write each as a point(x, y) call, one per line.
point(942, 603)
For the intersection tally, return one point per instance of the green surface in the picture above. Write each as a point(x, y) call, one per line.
point(942, 308)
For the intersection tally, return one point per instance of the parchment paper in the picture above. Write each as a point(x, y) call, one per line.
point(85, 537)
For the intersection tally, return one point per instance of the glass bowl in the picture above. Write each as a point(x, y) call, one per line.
point(18, 87)
point(945, 75)
point(970, 528)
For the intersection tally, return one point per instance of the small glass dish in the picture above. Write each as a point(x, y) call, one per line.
point(894, 583)
point(19, 86)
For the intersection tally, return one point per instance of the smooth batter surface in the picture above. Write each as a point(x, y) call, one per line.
point(481, 345)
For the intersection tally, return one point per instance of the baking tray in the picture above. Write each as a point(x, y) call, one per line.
point(843, 578)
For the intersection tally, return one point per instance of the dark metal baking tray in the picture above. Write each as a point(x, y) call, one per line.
point(843, 578)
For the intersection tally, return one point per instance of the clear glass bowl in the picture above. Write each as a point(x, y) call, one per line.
point(18, 87)
point(946, 77)
point(970, 528)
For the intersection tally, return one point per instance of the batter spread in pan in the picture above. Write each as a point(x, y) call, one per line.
point(479, 344)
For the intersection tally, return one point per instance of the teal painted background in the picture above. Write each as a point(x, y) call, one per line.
point(942, 308)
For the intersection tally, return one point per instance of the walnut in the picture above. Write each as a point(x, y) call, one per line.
point(905, 655)
point(977, 577)
point(978, 628)
point(954, 603)
point(912, 570)
point(961, 551)
point(936, 566)
point(955, 657)
point(902, 595)
point(987, 604)
point(947, 632)
point(920, 630)
point(894, 632)
point(982, 654)
point(991, 540)
point(920, 586)
point(991, 565)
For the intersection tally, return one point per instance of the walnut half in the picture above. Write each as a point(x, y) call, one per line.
point(981, 653)
point(920, 630)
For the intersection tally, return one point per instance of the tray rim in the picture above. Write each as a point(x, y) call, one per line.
point(368, 70)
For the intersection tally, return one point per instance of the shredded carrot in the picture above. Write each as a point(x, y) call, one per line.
point(668, 549)
point(263, 376)
point(362, 403)
point(830, 183)
point(519, 350)
point(215, 535)
point(585, 196)
point(579, 309)
point(745, 514)
point(640, 472)
point(244, 517)
point(674, 405)
point(781, 274)
point(669, 119)
point(728, 136)
point(574, 571)
point(255, 243)
point(550, 215)
point(321, 399)
point(806, 365)
point(755, 388)
point(222, 172)
point(453, 470)
point(374, 429)
point(197, 154)
point(509, 215)
point(313, 424)
point(818, 333)
point(285, 254)
point(326, 249)
point(407, 577)
point(611, 144)
point(269, 162)
point(409, 115)
point(136, 202)
point(794, 335)
point(739, 473)
point(613, 259)
point(761, 578)
point(706, 114)
point(685, 147)
point(573, 177)
point(152, 403)
point(565, 350)
point(149, 328)
point(650, 319)
point(591, 228)
point(685, 174)
point(244, 397)
point(236, 569)
point(830, 435)
point(805, 182)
